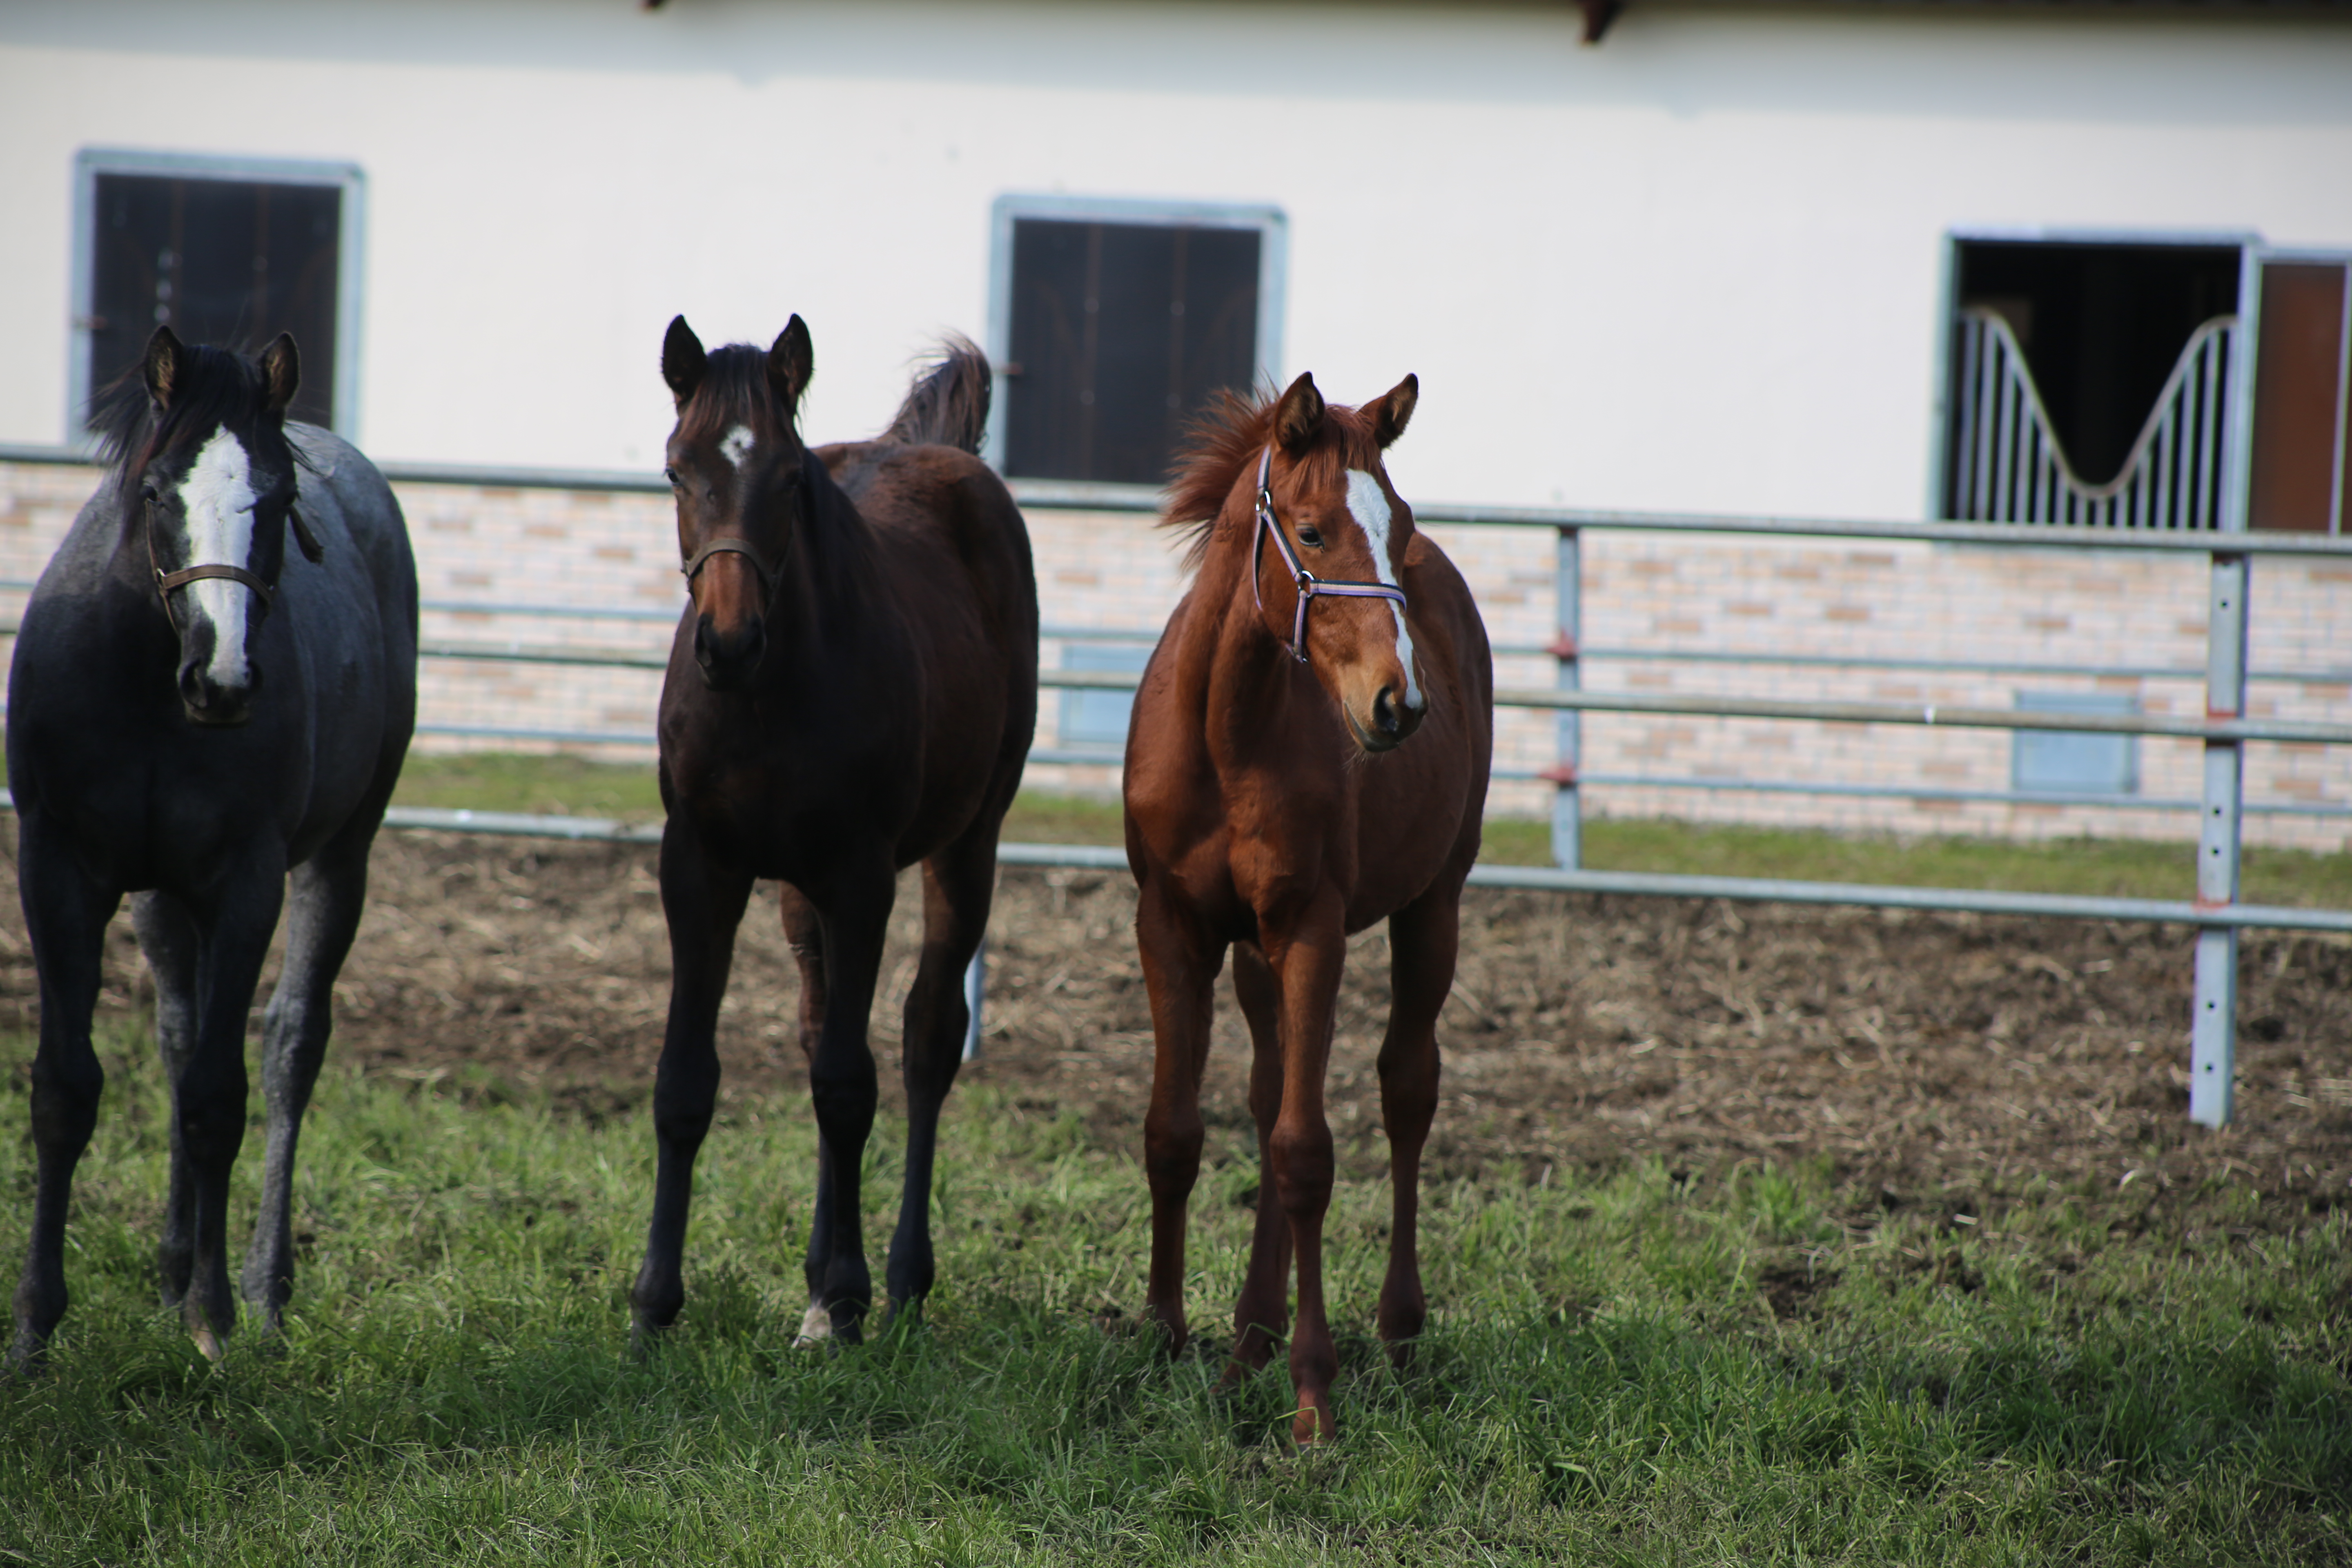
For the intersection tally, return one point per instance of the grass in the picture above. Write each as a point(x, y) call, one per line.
point(2115, 867)
point(1636, 1369)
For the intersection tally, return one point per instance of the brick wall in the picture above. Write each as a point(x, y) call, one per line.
point(1764, 600)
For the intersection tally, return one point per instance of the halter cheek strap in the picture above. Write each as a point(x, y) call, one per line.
point(1310, 587)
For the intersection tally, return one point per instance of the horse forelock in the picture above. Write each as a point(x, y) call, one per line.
point(218, 389)
point(1226, 438)
point(733, 396)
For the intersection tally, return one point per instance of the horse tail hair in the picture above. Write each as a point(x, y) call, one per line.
point(947, 404)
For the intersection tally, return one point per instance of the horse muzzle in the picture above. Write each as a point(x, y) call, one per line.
point(207, 702)
point(1389, 725)
point(728, 660)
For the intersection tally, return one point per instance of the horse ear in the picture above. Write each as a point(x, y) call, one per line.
point(791, 359)
point(1299, 415)
point(1393, 413)
point(165, 356)
point(281, 372)
point(682, 360)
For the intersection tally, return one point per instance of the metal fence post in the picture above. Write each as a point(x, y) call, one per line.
point(1567, 804)
point(975, 988)
point(2214, 1015)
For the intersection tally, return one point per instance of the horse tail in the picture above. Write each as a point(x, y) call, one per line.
point(947, 405)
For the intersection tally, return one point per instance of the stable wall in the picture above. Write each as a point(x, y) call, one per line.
point(1696, 267)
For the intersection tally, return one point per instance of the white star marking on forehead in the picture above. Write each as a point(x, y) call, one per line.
point(737, 445)
point(218, 497)
point(1368, 505)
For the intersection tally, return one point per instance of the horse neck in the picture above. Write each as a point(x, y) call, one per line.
point(1230, 653)
point(831, 579)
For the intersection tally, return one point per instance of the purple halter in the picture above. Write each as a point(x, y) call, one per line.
point(1309, 585)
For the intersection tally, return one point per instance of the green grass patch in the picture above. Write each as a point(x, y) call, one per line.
point(2113, 868)
point(538, 784)
point(2100, 866)
point(1640, 1370)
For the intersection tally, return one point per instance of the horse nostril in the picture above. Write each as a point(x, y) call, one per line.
point(192, 686)
point(1384, 711)
point(702, 641)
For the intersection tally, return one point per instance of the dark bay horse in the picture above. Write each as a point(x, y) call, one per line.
point(196, 711)
point(1309, 755)
point(851, 691)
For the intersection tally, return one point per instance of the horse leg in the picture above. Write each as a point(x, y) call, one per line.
point(702, 901)
point(959, 884)
point(1262, 1314)
point(1422, 938)
point(209, 1099)
point(1307, 960)
point(1181, 961)
point(328, 891)
point(805, 934)
point(841, 1086)
point(167, 935)
point(65, 915)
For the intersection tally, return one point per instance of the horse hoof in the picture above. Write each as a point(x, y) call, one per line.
point(817, 1327)
point(208, 1345)
point(1313, 1426)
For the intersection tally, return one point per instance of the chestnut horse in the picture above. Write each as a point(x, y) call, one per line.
point(1309, 755)
point(851, 691)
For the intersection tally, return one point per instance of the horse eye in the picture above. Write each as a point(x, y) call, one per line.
point(147, 492)
point(1310, 538)
point(671, 475)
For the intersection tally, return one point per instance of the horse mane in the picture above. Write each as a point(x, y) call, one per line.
point(947, 405)
point(1227, 436)
point(216, 385)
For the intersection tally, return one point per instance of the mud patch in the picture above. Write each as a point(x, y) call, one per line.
point(1936, 1061)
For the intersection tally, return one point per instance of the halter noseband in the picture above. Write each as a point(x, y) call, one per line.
point(1309, 585)
point(730, 545)
point(170, 583)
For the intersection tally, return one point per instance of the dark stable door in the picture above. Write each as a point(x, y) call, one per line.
point(1120, 333)
point(2301, 423)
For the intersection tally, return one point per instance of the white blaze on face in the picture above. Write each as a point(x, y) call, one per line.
point(1368, 505)
point(737, 445)
point(218, 497)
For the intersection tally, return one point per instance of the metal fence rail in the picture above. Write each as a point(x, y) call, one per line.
point(2224, 730)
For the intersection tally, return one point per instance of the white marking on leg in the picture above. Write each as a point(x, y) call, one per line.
point(1368, 505)
point(817, 1327)
point(737, 445)
point(218, 497)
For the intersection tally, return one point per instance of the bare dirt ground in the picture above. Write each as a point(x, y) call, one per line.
point(1935, 1059)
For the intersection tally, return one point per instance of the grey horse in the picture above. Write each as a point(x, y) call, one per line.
point(196, 712)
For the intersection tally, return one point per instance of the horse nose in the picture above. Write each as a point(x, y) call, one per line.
point(209, 702)
point(727, 659)
point(1393, 719)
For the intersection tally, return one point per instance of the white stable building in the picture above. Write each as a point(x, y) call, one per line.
point(1893, 260)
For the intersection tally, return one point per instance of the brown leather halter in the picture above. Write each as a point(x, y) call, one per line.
point(730, 545)
point(169, 583)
